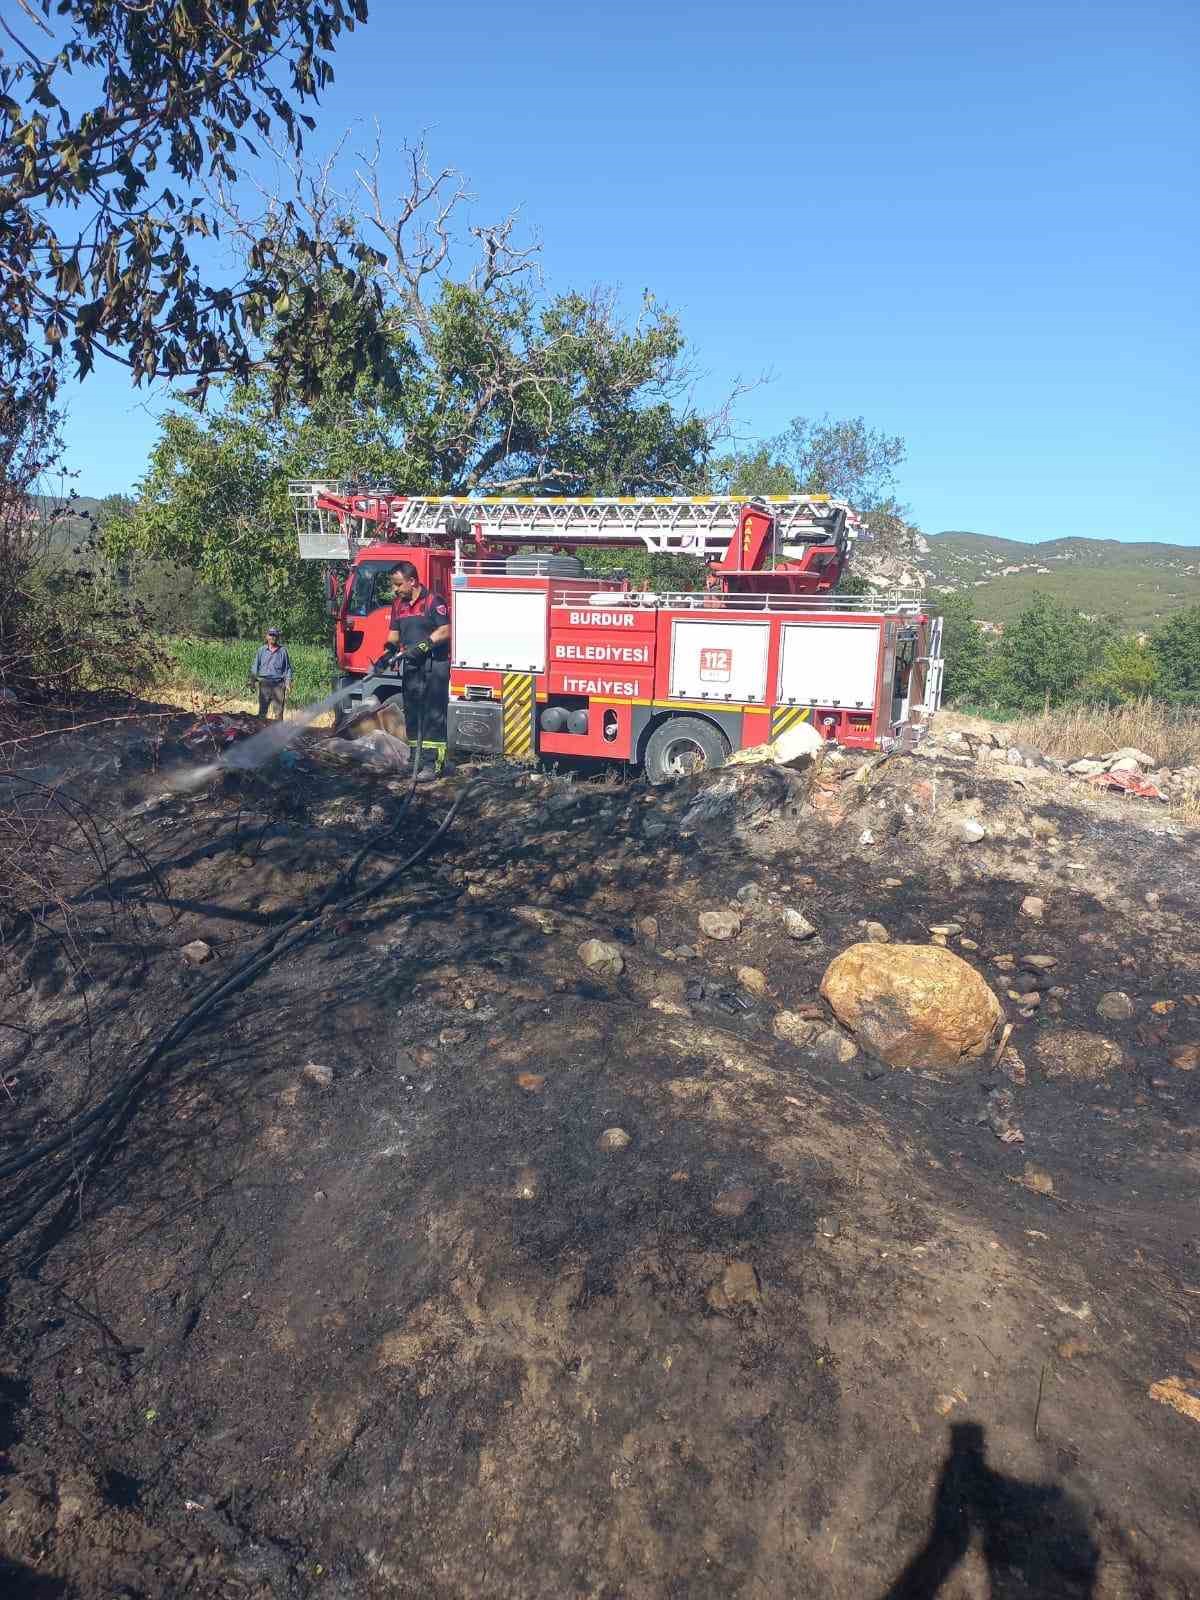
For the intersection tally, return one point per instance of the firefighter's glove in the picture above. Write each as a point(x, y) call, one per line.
point(415, 654)
point(384, 662)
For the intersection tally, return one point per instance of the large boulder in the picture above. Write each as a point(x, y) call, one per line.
point(912, 1005)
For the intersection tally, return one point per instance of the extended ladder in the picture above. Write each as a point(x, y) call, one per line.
point(331, 517)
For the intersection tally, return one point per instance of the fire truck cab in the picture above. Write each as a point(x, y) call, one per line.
point(548, 660)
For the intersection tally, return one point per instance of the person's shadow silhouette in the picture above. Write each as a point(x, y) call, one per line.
point(1034, 1537)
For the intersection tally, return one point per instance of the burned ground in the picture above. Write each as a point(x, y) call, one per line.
point(362, 1303)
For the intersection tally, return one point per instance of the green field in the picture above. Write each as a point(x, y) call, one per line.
point(219, 667)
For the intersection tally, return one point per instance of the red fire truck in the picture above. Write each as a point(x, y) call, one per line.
point(549, 660)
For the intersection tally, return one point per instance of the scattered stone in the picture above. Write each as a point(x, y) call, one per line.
point(828, 1227)
point(1085, 768)
point(967, 944)
point(795, 1029)
point(749, 894)
point(197, 952)
point(1069, 1349)
point(893, 883)
point(738, 1285)
point(754, 980)
point(1033, 907)
point(1182, 1395)
point(1029, 998)
point(1036, 1179)
point(527, 1185)
point(1013, 1067)
point(997, 1114)
point(733, 1202)
point(797, 747)
point(1075, 1053)
point(1039, 963)
point(948, 928)
point(830, 1045)
point(612, 1139)
point(875, 932)
point(866, 837)
point(968, 831)
point(1116, 1006)
point(452, 1036)
point(912, 1005)
point(531, 1082)
point(602, 958)
point(720, 924)
point(796, 925)
point(1186, 1058)
point(648, 928)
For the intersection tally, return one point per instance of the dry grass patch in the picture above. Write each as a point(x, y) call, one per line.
point(1171, 734)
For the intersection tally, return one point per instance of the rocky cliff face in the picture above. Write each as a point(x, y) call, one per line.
point(891, 554)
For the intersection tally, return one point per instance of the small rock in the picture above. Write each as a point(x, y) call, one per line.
point(796, 925)
point(968, 831)
point(792, 1028)
point(866, 837)
point(612, 1139)
point(1116, 1006)
point(754, 980)
point(602, 958)
point(1075, 1053)
point(1039, 963)
point(967, 944)
point(1036, 1179)
point(998, 1115)
point(733, 1202)
point(1033, 907)
point(893, 883)
point(720, 924)
point(319, 1074)
point(875, 932)
point(197, 952)
point(834, 1047)
point(749, 894)
point(1069, 1349)
point(648, 928)
point(451, 1036)
point(738, 1285)
point(1186, 1058)
point(1085, 768)
point(531, 1082)
point(828, 1227)
point(945, 927)
point(1126, 764)
point(528, 1184)
point(1029, 998)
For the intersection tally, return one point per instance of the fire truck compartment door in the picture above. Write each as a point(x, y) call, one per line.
point(719, 660)
point(829, 664)
point(503, 629)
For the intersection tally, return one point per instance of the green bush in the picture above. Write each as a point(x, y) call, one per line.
point(1176, 649)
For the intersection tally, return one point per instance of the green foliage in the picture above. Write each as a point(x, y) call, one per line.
point(1128, 672)
point(218, 667)
point(843, 458)
point(1176, 649)
point(964, 648)
point(1045, 656)
point(112, 118)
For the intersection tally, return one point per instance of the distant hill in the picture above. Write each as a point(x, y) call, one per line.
point(1141, 583)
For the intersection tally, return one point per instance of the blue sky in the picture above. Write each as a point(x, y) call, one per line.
point(974, 226)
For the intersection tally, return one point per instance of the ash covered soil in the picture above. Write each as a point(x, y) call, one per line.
point(369, 1298)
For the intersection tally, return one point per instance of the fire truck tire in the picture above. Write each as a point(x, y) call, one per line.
point(681, 746)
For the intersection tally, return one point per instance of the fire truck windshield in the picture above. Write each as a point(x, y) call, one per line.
point(370, 589)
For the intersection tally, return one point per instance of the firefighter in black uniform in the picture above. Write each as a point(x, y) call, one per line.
point(420, 632)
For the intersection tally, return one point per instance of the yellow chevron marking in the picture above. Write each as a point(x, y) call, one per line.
point(785, 717)
point(518, 715)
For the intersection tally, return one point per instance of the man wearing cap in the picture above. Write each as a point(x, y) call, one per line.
point(272, 673)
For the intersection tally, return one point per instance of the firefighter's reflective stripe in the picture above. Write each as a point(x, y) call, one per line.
point(785, 717)
point(518, 715)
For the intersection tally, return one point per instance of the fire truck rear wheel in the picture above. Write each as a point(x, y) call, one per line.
point(681, 746)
